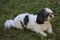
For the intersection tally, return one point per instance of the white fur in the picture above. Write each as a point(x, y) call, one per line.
point(8, 23)
point(48, 10)
point(32, 25)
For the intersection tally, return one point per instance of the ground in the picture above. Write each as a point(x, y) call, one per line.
point(10, 8)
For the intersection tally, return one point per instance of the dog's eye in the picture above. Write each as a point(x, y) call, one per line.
point(50, 15)
point(47, 15)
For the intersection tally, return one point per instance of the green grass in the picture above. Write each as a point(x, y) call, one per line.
point(10, 8)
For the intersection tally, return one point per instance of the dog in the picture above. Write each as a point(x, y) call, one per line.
point(38, 23)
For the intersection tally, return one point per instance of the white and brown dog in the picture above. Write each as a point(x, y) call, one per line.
point(38, 23)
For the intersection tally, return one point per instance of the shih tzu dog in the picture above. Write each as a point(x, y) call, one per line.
point(38, 23)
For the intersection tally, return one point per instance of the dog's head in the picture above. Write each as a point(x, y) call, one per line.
point(43, 15)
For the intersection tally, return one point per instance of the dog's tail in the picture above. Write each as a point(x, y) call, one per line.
point(8, 23)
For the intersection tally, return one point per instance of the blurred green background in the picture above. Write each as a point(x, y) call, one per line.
point(11, 8)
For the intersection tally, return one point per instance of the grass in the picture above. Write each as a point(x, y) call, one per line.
point(10, 8)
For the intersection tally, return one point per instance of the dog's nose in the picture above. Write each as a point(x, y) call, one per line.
point(51, 15)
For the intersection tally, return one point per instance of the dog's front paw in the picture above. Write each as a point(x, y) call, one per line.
point(45, 35)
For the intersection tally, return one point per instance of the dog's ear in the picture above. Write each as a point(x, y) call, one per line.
point(40, 17)
point(40, 20)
